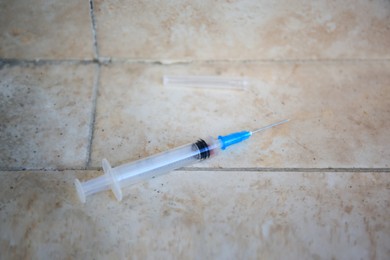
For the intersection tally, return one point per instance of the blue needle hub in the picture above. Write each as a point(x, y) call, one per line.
point(234, 138)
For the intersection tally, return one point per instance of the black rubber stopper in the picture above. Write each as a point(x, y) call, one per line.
point(204, 151)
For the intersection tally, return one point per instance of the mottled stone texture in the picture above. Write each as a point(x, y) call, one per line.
point(45, 116)
point(218, 215)
point(245, 30)
point(41, 29)
point(82, 80)
point(336, 119)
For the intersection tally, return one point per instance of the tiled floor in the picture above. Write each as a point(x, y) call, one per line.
point(80, 81)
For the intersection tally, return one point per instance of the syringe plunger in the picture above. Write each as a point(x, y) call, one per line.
point(127, 174)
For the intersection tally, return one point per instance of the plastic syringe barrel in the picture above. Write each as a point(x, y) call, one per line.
point(123, 175)
point(127, 174)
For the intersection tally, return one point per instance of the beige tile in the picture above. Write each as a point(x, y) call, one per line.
point(182, 30)
point(45, 29)
point(339, 113)
point(45, 115)
point(213, 215)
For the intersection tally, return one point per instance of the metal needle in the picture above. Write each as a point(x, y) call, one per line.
point(270, 126)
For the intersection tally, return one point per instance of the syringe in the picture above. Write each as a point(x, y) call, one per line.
point(143, 169)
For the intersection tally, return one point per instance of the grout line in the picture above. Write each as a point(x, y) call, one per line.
point(93, 116)
point(23, 169)
point(96, 84)
point(39, 62)
point(200, 169)
point(269, 169)
point(107, 61)
point(93, 25)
